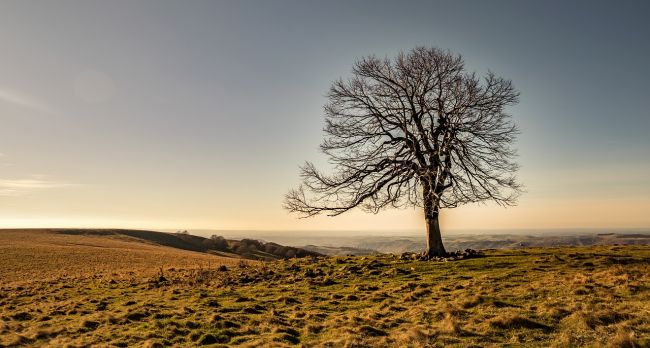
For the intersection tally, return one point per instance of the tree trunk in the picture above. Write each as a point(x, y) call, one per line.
point(434, 239)
point(431, 213)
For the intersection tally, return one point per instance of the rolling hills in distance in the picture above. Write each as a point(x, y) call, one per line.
point(369, 243)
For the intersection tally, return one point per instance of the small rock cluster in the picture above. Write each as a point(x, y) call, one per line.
point(452, 256)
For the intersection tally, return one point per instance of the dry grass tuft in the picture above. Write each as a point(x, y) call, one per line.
point(450, 325)
point(623, 340)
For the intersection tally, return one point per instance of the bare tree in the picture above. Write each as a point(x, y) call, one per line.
point(418, 130)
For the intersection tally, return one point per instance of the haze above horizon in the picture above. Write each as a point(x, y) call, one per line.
point(196, 115)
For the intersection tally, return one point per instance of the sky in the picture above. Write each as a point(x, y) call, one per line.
point(197, 114)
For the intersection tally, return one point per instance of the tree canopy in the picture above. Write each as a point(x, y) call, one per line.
point(417, 130)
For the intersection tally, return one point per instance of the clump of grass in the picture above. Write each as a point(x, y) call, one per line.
point(450, 325)
point(624, 340)
point(153, 344)
point(555, 311)
point(472, 301)
point(604, 318)
point(414, 336)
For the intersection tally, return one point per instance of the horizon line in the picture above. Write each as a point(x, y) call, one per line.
point(339, 230)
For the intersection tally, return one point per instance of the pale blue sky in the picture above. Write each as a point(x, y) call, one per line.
point(196, 114)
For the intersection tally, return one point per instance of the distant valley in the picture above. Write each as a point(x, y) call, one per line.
point(366, 243)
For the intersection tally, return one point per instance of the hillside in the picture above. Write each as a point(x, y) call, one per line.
point(334, 251)
point(47, 253)
point(369, 244)
point(29, 255)
point(244, 248)
point(570, 296)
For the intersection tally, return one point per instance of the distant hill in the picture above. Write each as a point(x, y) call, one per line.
point(365, 245)
point(246, 248)
point(333, 251)
point(365, 242)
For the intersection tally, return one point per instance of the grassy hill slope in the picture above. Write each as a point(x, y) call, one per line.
point(28, 255)
point(578, 296)
point(24, 242)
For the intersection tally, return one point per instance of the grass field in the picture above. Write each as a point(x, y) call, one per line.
point(29, 255)
point(583, 296)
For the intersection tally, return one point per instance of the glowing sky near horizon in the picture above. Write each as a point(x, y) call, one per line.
point(197, 114)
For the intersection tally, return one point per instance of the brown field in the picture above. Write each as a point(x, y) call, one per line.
point(28, 255)
point(90, 291)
